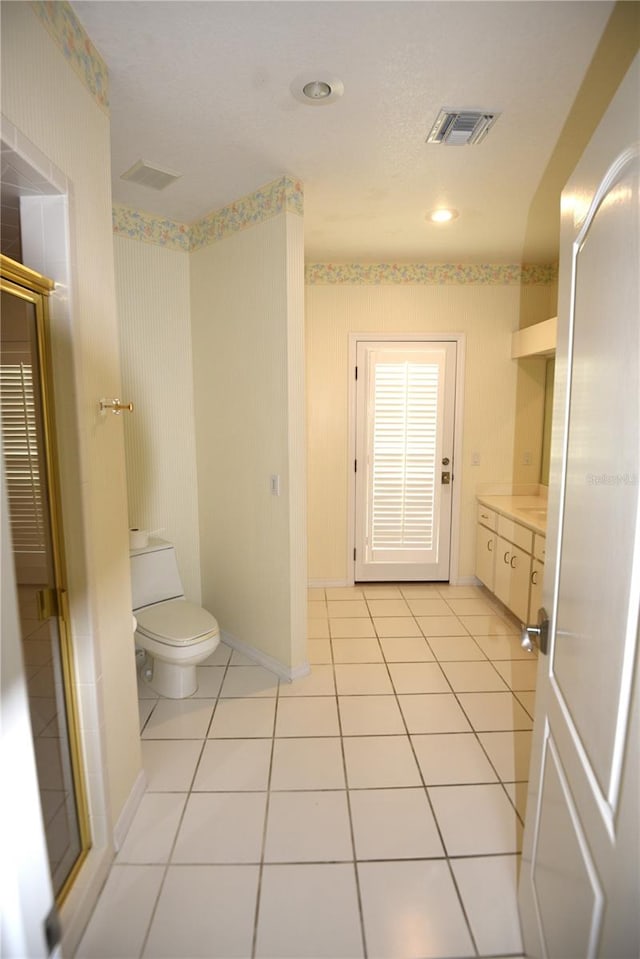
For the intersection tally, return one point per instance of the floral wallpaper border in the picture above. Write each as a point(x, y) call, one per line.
point(65, 28)
point(282, 195)
point(435, 274)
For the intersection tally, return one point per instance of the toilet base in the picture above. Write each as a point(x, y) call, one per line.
point(173, 681)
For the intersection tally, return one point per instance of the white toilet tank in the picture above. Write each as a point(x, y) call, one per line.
point(154, 574)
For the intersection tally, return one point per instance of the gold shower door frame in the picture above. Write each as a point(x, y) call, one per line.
point(30, 287)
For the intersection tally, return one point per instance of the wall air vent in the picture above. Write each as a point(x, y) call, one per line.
point(144, 174)
point(461, 127)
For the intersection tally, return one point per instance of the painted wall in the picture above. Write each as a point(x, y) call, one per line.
point(152, 286)
point(487, 313)
point(55, 119)
point(248, 361)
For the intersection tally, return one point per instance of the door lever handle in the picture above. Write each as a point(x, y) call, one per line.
point(533, 636)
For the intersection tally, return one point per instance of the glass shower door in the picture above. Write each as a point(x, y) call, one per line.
point(30, 467)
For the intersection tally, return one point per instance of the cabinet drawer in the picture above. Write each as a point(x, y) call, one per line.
point(539, 547)
point(515, 533)
point(487, 517)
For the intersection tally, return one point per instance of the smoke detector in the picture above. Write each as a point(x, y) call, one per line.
point(153, 177)
point(461, 127)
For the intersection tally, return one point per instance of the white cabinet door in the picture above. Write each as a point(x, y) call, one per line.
point(535, 590)
point(513, 567)
point(485, 556)
point(579, 881)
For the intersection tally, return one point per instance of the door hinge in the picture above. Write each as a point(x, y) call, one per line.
point(47, 603)
point(356, 372)
point(354, 554)
point(52, 930)
point(355, 466)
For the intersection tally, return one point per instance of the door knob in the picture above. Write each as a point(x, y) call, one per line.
point(538, 635)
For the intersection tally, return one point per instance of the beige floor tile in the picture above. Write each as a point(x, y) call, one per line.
point(418, 678)
point(209, 681)
point(527, 697)
point(433, 713)
point(356, 651)
point(234, 765)
point(179, 719)
point(413, 833)
point(319, 682)
point(308, 827)
point(494, 711)
point(370, 716)
point(377, 762)
point(452, 759)
point(221, 827)
point(119, 923)
point(380, 591)
point(455, 648)
point(308, 716)
point(153, 829)
point(170, 764)
point(412, 649)
point(340, 609)
point(317, 610)
point(488, 888)
point(471, 607)
point(241, 659)
point(401, 626)
point(315, 594)
point(476, 820)
point(145, 708)
point(420, 590)
point(248, 681)
point(307, 911)
point(204, 912)
point(429, 607)
point(473, 677)
point(343, 592)
point(359, 628)
point(510, 753)
point(441, 626)
point(388, 607)
point(362, 679)
point(423, 891)
point(318, 651)
point(459, 592)
point(518, 793)
point(317, 629)
point(503, 647)
point(239, 718)
point(490, 625)
point(307, 764)
point(518, 675)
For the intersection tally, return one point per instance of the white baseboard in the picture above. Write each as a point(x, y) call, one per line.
point(263, 659)
point(78, 906)
point(129, 809)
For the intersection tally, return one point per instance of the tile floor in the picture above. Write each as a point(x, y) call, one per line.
point(373, 808)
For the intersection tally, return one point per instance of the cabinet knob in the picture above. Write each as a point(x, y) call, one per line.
point(505, 558)
point(490, 545)
point(514, 562)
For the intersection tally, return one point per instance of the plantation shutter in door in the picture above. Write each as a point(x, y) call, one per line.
point(402, 530)
point(22, 462)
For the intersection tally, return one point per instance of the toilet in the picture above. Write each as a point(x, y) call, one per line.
point(176, 634)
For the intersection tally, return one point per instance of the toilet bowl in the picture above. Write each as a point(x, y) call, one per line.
point(175, 634)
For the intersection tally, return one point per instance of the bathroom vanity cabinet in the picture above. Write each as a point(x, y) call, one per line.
point(510, 554)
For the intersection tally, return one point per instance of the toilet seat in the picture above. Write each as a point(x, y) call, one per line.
point(176, 622)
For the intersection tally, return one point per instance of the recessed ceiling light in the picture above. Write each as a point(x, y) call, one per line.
point(442, 215)
point(317, 89)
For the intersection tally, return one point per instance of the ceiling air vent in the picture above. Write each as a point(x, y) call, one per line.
point(144, 174)
point(461, 127)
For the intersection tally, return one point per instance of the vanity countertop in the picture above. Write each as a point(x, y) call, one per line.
point(530, 511)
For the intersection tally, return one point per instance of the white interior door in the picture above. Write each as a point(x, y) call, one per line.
point(579, 886)
point(405, 403)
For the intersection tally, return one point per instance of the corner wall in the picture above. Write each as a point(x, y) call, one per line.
point(55, 118)
point(487, 312)
point(247, 334)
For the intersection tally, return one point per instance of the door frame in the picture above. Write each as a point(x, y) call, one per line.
point(456, 493)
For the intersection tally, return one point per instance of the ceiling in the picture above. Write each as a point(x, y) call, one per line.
point(204, 89)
